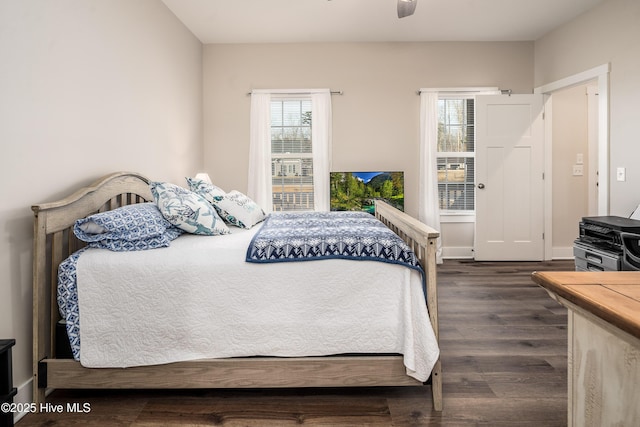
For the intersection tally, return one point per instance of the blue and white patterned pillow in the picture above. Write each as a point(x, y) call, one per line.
point(187, 210)
point(134, 227)
point(161, 241)
point(238, 209)
point(205, 189)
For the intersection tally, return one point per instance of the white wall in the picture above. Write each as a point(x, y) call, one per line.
point(376, 121)
point(609, 33)
point(570, 192)
point(87, 88)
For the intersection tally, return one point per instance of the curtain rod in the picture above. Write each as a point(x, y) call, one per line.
point(466, 90)
point(333, 92)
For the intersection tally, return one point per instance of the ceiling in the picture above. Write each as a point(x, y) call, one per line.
point(299, 21)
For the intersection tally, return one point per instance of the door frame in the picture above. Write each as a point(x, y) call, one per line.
point(601, 75)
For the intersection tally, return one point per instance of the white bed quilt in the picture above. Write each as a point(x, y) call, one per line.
point(199, 299)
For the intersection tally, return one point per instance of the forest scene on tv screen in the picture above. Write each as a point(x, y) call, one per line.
point(357, 191)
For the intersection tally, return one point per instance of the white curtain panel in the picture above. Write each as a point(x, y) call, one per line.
point(259, 188)
point(429, 208)
point(321, 140)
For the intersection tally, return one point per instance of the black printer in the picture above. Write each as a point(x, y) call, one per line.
point(607, 243)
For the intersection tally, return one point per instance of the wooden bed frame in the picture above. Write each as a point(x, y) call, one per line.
point(54, 241)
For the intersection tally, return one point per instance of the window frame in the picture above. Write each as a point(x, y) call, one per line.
point(302, 156)
point(459, 215)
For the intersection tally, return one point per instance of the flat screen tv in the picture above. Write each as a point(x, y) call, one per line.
point(357, 191)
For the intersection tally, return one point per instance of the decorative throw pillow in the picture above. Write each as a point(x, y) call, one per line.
point(128, 228)
point(209, 191)
point(119, 245)
point(187, 210)
point(239, 210)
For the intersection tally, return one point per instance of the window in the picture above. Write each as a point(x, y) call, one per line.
point(290, 149)
point(456, 154)
point(291, 154)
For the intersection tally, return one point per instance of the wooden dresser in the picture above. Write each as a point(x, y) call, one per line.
point(603, 345)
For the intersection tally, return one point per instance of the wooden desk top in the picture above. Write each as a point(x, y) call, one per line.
point(612, 296)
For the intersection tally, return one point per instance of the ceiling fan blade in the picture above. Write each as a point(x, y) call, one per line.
point(406, 7)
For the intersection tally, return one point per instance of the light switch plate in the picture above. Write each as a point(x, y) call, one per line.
point(578, 170)
point(621, 174)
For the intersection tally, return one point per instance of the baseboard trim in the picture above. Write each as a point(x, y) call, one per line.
point(457, 253)
point(558, 253)
point(562, 253)
point(24, 396)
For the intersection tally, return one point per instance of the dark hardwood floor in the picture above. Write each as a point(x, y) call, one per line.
point(503, 351)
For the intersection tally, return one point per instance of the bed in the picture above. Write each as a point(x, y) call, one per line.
point(54, 241)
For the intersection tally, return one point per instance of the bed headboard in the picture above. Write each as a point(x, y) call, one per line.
point(53, 241)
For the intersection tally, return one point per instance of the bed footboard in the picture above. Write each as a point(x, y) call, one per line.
point(422, 240)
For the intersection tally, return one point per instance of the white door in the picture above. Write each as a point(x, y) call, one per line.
point(509, 178)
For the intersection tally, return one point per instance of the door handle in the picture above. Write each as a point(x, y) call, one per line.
point(481, 186)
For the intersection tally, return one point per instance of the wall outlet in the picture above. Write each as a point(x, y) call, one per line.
point(621, 174)
point(578, 170)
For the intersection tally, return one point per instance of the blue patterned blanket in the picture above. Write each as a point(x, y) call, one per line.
point(310, 236)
